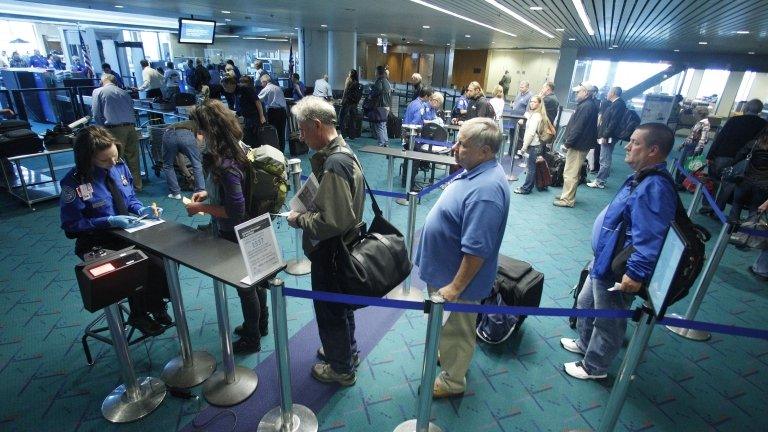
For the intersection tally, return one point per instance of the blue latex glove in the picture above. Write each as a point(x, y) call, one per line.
point(150, 212)
point(122, 221)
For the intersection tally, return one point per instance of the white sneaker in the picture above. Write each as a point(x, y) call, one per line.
point(576, 370)
point(595, 184)
point(571, 345)
point(174, 196)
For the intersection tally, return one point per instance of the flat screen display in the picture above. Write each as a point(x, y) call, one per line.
point(666, 266)
point(196, 31)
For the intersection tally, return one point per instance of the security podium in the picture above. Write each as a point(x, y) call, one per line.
point(106, 278)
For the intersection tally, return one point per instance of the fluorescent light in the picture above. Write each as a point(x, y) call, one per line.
point(58, 14)
point(560, 29)
point(536, 8)
point(323, 25)
point(615, 46)
point(742, 32)
point(571, 39)
point(519, 17)
point(421, 40)
point(227, 36)
point(702, 43)
point(121, 6)
point(584, 17)
point(751, 52)
point(466, 35)
point(382, 34)
point(221, 24)
point(227, 20)
point(225, 12)
point(677, 50)
point(254, 38)
point(425, 27)
point(493, 43)
point(454, 14)
point(295, 28)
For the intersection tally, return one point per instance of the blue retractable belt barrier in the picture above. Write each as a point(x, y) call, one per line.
point(434, 143)
point(517, 310)
point(379, 192)
point(441, 182)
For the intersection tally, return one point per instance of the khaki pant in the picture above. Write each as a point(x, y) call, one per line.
point(128, 136)
point(457, 345)
point(574, 159)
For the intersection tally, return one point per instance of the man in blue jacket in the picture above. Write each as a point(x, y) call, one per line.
point(646, 210)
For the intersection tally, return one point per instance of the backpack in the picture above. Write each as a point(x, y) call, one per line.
point(371, 101)
point(355, 94)
point(693, 257)
point(629, 122)
point(266, 182)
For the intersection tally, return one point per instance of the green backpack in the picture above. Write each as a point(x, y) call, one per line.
point(266, 181)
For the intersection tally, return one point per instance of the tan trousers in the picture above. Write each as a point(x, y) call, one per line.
point(129, 137)
point(574, 159)
point(457, 345)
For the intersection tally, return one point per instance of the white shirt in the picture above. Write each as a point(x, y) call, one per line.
point(498, 107)
point(531, 137)
point(272, 97)
point(322, 89)
point(152, 79)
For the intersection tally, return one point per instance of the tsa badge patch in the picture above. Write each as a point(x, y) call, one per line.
point(68, 194)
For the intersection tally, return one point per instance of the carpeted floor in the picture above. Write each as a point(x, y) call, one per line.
point(718, 385)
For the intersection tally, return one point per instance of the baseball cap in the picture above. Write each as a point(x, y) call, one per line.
point(586, 85)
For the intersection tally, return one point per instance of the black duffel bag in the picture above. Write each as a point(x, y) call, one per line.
point(20, 142)
point(13, 124)
point(376, 261)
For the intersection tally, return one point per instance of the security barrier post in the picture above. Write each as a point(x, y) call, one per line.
point(405, 293)
point(300, 265)
point(288, 416)
point(390, 185)
point(710, 267)
point(695, 200)
point(434, 307)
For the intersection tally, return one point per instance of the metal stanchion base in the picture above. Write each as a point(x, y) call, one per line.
point(218, 392)
point(304, 420)
point(511, 177)
point(694, 335)
point(410, 426)
point(176, 374)
point(399, 293)
point(116, 408)
point(298, 267)
point(402, 201)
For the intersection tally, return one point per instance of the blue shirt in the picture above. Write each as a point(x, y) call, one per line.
point(415, 112)
point(112, 106)
point(469, 218)
point(300, 92)
point(81, 213)
point(272, 97)
point(648, 209)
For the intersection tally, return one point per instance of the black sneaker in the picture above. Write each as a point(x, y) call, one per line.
point(145, 324)
point(263, 331)
point(246, 345)
point(355, 357)
point(162, 317)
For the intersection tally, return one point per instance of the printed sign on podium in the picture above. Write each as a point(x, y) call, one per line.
point(259, 247)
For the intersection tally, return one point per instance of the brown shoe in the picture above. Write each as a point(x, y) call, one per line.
point(441, 393)
point(562, 203)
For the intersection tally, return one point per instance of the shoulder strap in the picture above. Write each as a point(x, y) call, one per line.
point(376, 209)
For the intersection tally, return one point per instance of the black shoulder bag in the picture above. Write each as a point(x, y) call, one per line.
point(376, 261)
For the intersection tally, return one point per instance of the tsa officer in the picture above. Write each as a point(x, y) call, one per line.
point(97, 196)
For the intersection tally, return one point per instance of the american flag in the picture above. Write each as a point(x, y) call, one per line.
point(86, 57)
point(290, 60)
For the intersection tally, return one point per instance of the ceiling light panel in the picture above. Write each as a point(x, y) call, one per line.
point(519, 17)
point(462, 17)
point(579, 5)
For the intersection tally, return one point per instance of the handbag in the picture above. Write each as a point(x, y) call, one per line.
point(546, 131)
point(376, 261)
point(736, 172)
point(757, 222)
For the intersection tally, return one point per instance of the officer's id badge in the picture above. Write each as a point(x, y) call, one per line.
point(85, 191)
point(68, 194)
point(124, 180)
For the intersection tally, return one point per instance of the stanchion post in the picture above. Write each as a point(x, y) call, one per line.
point(390, 185)
point(673, 171)
point(410, 232)
point(628, 366)
point(300, 265)
point(288, 416)
point(434, 307)
point(190, 368)
point(409, 168)
point(135, 398)
point(695, 200)
point(710, 267)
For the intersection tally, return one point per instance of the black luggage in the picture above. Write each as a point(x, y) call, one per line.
point(517, 284)
point(184, 99)
point(394, 126)
point(576, 290)
point(556, 164)
point(296, 146)
point(20, 142)
point(9, 125)
point(267, 135)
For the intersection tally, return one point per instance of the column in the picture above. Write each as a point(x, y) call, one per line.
point(342, 56)
point(693, 89)
point(564, 73)
point(314, 55)
point(727, 98)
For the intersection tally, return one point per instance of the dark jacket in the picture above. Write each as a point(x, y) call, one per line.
point(479, 107)
point(581, 132)
point(201, 77)
point(736, 132)
point(551, 104)
point(610, 123)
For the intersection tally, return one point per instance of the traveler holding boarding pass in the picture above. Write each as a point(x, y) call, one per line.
point(97, 196)
point(645, 210)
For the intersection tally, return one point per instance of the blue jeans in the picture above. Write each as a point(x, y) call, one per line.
point(530, 177)
point(181, 141)
point(606, 158)
point(761, 263)
point(600, 338)
point(381, 133)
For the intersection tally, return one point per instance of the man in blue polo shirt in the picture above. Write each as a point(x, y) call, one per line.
point(459, 248)
point(418, 108)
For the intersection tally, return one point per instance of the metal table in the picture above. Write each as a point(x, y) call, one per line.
point(32, 186)
point(221, 260)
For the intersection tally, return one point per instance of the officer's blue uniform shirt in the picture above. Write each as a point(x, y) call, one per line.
point(85, 210)
point(38, 61)
point(415, 112)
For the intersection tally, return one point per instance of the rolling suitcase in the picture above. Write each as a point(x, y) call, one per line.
point(556, 164)
point(543, 175)
point(267, 135)
point(20, 142)
point(394, 126)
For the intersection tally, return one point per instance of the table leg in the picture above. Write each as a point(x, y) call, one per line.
point(235, 383)
point(23, 183)
point(191, 367)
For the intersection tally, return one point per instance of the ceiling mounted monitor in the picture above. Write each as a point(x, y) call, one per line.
point(194, 31)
